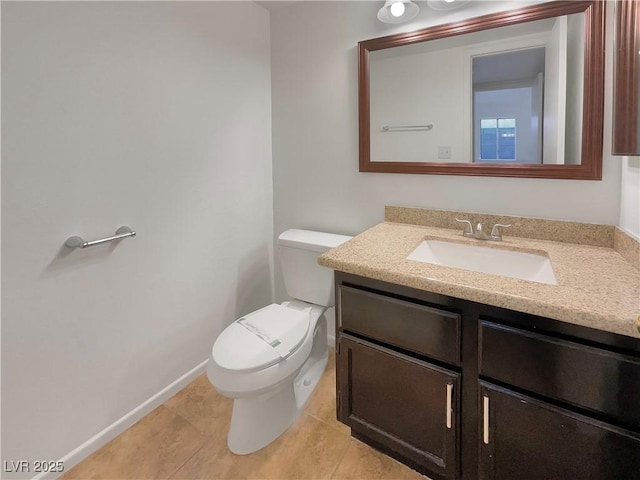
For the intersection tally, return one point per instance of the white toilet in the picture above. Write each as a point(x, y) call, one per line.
point(271, 360)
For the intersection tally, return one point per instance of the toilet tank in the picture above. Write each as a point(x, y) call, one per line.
point(303, 277)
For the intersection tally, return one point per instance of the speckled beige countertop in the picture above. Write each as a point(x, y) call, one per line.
point(596, 288)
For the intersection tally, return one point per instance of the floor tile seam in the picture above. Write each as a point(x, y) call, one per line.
point(394, 460)
point(203, 437)
point(173, 475)
point(175, 412)
point(326, 423)
point(344, 454)
point(322, 422)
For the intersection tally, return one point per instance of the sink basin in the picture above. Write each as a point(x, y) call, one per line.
point(507, 263)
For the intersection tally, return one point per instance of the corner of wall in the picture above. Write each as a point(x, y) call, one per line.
point(630, 196)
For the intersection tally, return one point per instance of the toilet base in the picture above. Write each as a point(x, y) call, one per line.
point(258, 421)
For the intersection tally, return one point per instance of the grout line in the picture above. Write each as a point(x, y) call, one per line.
point(335, 427)
point(178, 414)
point(173, 475)
point(344, 454)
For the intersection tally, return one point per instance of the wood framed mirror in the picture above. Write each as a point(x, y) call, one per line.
point(431, 102)
point(626, 100)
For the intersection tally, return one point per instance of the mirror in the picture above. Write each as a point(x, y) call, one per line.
point(626, 104)
point(518, 93)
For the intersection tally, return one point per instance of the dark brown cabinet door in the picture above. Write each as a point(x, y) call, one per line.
point(407, 407)
point(523, 438)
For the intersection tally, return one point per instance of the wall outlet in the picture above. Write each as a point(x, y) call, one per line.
point(444, 153)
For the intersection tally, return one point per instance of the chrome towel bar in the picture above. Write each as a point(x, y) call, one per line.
point(407, 128)
point(78, 242)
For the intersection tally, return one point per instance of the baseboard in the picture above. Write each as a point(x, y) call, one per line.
point(78, 454)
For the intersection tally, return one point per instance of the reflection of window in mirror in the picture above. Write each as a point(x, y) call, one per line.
point(498, 139)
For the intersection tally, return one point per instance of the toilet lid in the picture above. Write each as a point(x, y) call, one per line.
point(261, 339)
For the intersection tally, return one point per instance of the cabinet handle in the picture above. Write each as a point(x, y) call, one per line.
point(449, 401)
point(485, 420)
point(338, 308)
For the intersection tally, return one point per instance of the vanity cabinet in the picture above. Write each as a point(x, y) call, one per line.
point(391, 391)
point(461, 390)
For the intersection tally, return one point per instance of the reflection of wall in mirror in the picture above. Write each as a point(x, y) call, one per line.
point(409, 92)
point(555, 103)
point(575, 89)
point(626, 78)
point(563, 93)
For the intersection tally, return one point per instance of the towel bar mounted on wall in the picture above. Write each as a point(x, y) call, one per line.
point(407, 128)
point(78, 242)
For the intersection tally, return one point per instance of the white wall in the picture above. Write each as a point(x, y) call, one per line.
point(149, 114)
point(315, 135)
point(630, 196)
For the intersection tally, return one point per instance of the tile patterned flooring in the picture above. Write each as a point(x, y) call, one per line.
point(185, 438)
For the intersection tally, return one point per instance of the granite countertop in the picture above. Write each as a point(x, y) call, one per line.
point(596, 288)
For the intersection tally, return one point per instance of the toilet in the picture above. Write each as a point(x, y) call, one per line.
point(271, 360)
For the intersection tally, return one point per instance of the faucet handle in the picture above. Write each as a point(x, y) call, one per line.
point(468, 228)
point(495, 231)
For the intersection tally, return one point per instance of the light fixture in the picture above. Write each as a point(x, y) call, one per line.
point(446, 4)
point(397, 11)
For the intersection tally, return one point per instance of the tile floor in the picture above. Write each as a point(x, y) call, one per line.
point(185, 438)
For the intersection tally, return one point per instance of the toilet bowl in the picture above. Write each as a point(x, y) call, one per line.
point(271, 360)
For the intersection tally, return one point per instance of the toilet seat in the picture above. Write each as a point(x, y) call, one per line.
point(261, 339)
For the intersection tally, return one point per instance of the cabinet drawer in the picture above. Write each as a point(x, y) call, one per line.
point(588, 377)
point(411, 326)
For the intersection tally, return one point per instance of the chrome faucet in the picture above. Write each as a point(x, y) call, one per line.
point(479, 232)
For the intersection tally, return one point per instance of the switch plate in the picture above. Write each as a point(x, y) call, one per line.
point(444, 153)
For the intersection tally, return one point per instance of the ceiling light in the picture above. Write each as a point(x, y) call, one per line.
point(446, 4)
point(397, 11)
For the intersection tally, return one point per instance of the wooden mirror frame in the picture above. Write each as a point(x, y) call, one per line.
point(592, 107)
point(625, 101)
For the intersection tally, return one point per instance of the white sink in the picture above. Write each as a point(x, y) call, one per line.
point(507, 263)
